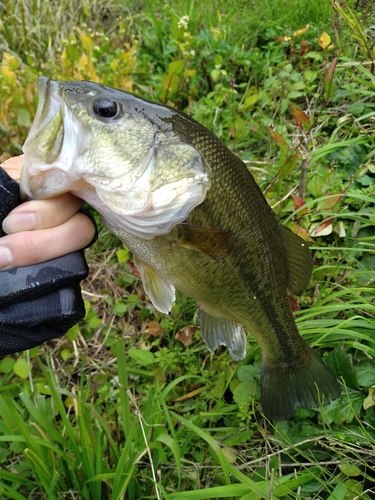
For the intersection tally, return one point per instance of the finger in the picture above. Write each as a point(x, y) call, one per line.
point(32, 247)
point(13, 167)
point(42, 214)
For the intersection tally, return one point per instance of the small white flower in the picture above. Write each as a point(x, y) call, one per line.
point(183, 22)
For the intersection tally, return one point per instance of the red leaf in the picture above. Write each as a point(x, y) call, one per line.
point(329, 203)
point(298, 203)
point(324, 225)
point(300, 117)
point(278, 138)
point(328, 79)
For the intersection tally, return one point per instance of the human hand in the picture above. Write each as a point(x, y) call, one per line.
point(40, 230)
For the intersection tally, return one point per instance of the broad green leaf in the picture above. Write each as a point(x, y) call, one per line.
point(120, 307)
point(23, 117)
point(21, 368)
point(122, 255)
point(170, 83)
point(356, 109)
point(349, 469)
point(142, 357)
point(366, 373)
point(247, 373)
point(230, 454)
point(341, 364)
point(309, 76)
point(370, 400)
point(93, 320)
point(218, 59)
point(343, 409)
point(176, 67)
point(66, 353)
point(6, 364)
point(354, 490)
point(73, 333)
point(244, 392)
point(218, 389)
point(239, 437)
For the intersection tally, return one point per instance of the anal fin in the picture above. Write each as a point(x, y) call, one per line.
point(218, 331)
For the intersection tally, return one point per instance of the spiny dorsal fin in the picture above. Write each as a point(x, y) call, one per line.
point(218, 331)
point(161, 293)
point(299, 261)
point(214, 243)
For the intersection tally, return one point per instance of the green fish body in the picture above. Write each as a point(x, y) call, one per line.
point(194, 218)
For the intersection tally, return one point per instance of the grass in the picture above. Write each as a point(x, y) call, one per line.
point(120, 408)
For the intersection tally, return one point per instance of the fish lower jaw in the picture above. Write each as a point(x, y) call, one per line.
point(48, 184)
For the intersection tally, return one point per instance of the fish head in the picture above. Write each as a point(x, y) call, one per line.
point(116, 151)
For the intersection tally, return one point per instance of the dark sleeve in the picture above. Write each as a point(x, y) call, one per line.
point(39, 302)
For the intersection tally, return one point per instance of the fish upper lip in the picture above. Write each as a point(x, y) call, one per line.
point(50, 104)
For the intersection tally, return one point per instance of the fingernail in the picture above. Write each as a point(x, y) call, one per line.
point(6, 258)
point(19, 222)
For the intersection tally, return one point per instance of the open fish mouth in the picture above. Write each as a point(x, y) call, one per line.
point(50, 145)
point(116, 152)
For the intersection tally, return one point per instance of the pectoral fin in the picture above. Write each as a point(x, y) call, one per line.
point(214, 243)
point(161, 293)
point(218, 331)
point(300, 262)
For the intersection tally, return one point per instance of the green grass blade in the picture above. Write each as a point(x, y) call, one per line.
point(123, 387)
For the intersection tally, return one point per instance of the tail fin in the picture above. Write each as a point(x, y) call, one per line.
point(283, 388)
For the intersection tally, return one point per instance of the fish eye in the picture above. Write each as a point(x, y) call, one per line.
point(105, 107)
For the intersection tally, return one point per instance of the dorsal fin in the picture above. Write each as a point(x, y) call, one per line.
point(299, 258)
point(161, 293)
point(218, 331)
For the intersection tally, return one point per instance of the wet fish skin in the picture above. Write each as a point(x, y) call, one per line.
point(226, 250)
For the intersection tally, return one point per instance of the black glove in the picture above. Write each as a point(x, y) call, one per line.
point(39, 302)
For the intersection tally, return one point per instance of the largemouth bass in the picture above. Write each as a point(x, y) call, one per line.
point(194, 218)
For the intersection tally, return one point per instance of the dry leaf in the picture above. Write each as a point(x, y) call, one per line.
point(324, 40)
point(186, 335)
point(294, 304)
point(283, 38)
point(133, 268)
point(304, 48)
point(155, 329)
point(301, 31)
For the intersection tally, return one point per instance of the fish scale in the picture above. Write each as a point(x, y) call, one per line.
point(207, 231)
